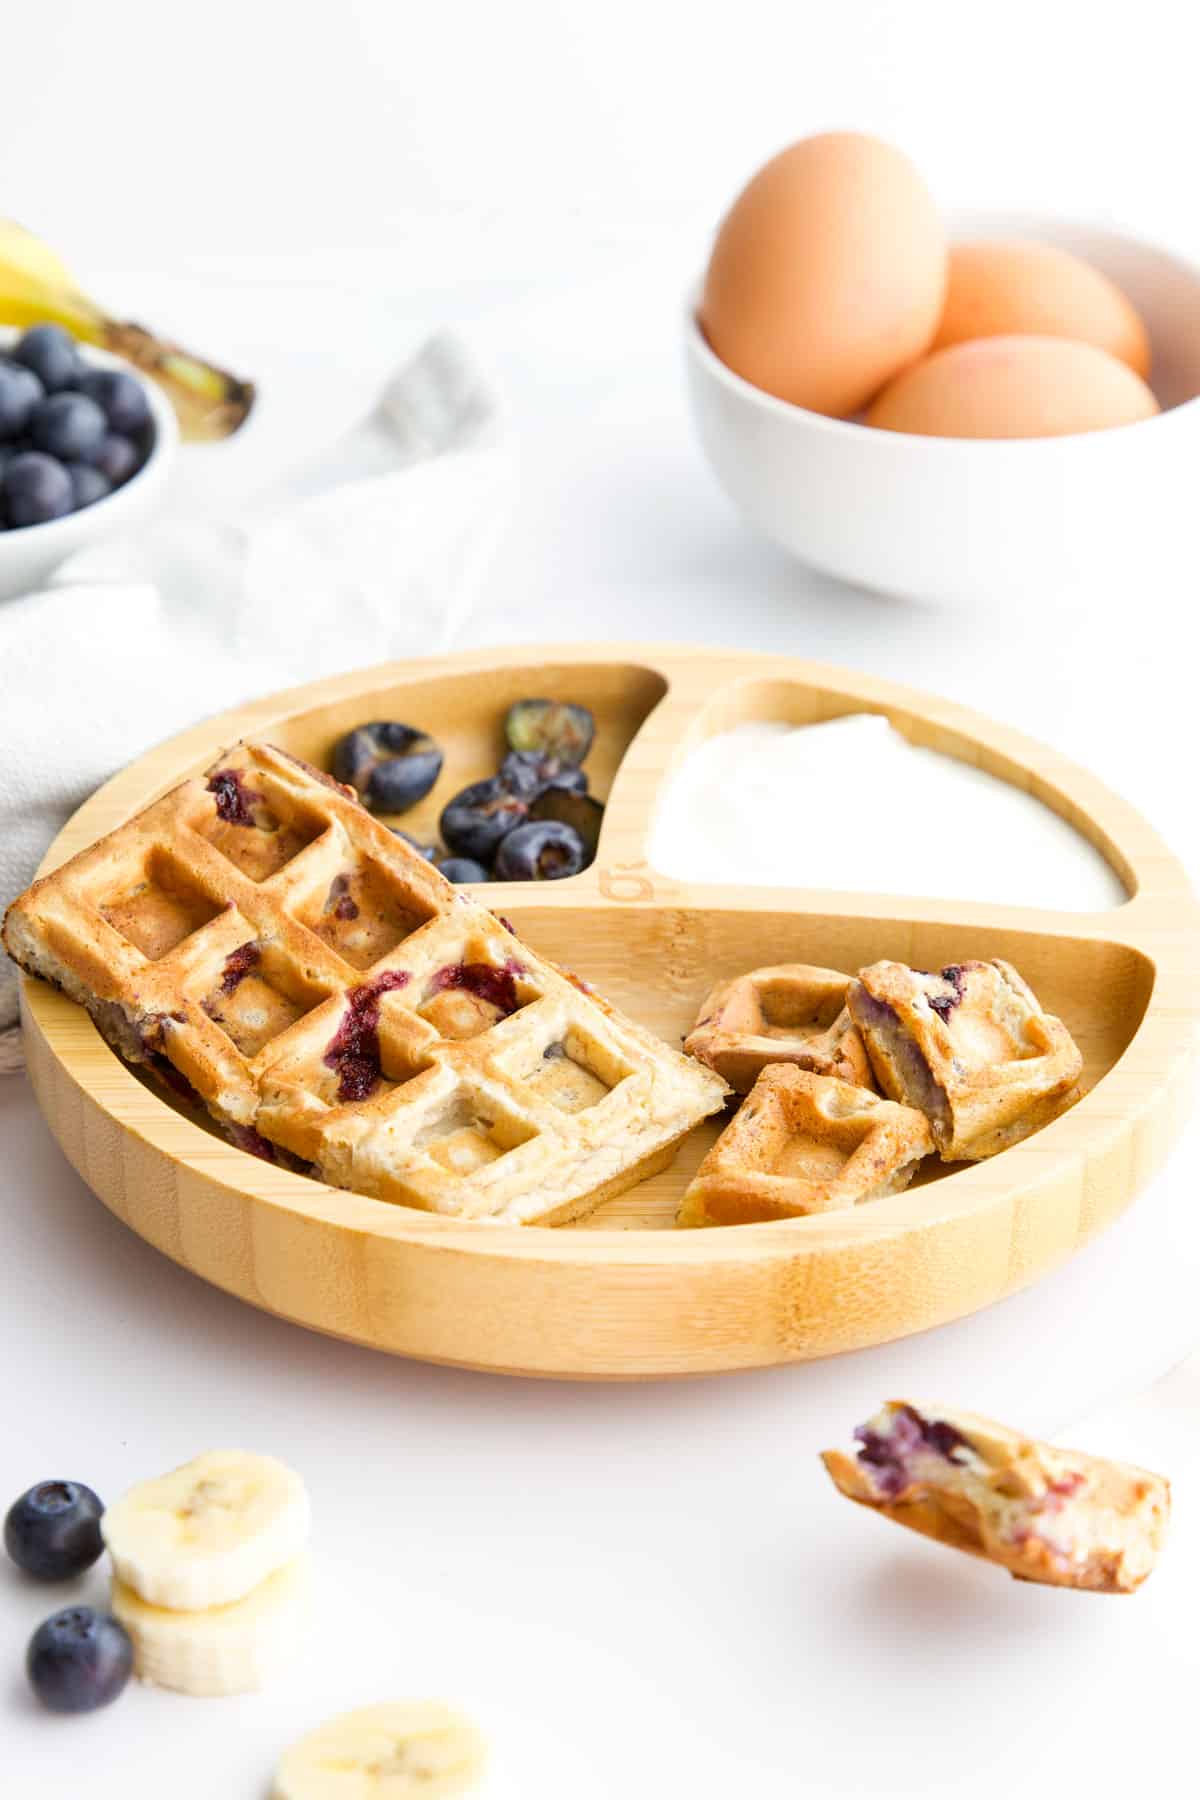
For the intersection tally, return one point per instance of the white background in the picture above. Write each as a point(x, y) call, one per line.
point(646, 1591)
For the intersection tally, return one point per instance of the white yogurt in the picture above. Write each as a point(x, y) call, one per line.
point(851, 804)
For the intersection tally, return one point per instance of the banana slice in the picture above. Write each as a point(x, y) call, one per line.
point(225, 1649)
point(209, 1533)
point(410, 1748)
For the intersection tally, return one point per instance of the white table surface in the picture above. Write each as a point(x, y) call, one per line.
point(645, 1591)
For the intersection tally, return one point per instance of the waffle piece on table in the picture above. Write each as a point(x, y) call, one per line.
point(970, 1047)
point(267, 947)
point(802, 1143)
point(1044, 1514)
point(789, 1013)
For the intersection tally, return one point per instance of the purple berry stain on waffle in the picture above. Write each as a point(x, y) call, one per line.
point(493, 985)
point(887, 1456)
point(354, 1048)
point(234, 799)
point(340, 902)
point(944, 1004)
point(238, 964)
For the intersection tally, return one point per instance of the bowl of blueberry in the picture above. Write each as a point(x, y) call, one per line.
point(85, 444)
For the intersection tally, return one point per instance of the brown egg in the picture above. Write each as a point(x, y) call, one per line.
point(1013, 387)
point(828, 273)
point(997, 289)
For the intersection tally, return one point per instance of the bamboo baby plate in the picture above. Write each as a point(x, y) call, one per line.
point(622, 1294)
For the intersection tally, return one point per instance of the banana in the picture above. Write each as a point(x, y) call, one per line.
point(410, 1748)
point(225, 1649)
point(208, 1533)
point(28, 255)
point(36, 287)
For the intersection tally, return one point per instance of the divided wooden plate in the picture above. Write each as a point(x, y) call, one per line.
point(624, 1295)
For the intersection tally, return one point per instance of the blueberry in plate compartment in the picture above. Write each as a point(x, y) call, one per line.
point(51, 353)
point(540, 850)
point(391, 766)
point(476, 821)
point(528, 772)
point(78, 1659)
point(35, 489)
point(520, 772)
point(550, 728)
point(583, 814)
point(53, 1530)
point(459, 869)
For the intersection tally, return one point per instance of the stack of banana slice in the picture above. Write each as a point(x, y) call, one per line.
point(211, 1574)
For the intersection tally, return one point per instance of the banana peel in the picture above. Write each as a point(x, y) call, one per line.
point(37, 288)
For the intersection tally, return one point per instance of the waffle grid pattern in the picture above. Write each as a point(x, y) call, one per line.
point(257, 937)
point(804, 1143)
point(787, 1013)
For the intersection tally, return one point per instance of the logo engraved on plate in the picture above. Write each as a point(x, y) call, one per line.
point(623, 882)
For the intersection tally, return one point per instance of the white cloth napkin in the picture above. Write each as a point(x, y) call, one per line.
point(368, 552)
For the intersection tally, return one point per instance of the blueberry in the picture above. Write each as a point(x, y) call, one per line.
point(53, 1530)
point(69, 426)
point(475, 821)
point(583, 814)
point(541, 850)
point(78, 1659)
point(35, 489)
point(50, 352)
point(116, 458)
point(428, 851)
point(566, 775)
point(462, 868)
point(528, 772)
point(391, 765)
point(20, 391)
point(520, 772)
point(120, 397)
point(87, 484)
point(551, 728)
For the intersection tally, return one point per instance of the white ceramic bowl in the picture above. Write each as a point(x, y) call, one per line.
point(30, 555)
point(956, 519)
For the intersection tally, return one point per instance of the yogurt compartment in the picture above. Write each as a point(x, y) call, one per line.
point(850, 804)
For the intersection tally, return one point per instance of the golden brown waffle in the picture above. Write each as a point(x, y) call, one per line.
point(970, 1047)
point(803, 1143)
point(1044, 1514)
point(267, 947)
point(790, 1013)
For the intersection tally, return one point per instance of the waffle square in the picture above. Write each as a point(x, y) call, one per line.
point(269, 949)
point(790, 1013)
point(1044, 1514)
point(802, 1143)
point(970, 1047)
